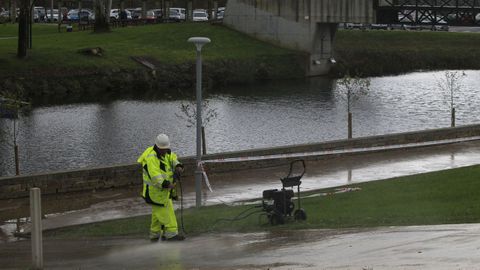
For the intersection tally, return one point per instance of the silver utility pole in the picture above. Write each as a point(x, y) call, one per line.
point(199, 42)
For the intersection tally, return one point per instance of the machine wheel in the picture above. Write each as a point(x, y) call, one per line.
point(276, 219)
point(300, 214)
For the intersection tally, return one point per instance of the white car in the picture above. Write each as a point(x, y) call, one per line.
point(115, 14)
point(220, 13)
point(49, 16)
point(5, 14)
point(200, 15)
point(177, 14)
point(38, 14)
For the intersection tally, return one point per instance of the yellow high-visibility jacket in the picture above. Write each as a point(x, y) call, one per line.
point(155, 172)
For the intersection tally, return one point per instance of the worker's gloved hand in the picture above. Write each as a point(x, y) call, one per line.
point(179, 169)
point(173, 194)
point(167, 184)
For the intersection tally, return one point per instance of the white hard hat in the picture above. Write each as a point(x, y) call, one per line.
point(162, 141)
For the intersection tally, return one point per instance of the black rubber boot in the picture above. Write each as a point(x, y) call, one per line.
point(176, 238)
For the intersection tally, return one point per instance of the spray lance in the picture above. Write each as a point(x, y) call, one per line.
point(174, 196)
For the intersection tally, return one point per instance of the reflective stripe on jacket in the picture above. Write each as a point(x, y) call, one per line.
point(155, 172)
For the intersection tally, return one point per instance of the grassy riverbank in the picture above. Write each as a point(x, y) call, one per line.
point(54, 68)
point(165, 42)
point(445, 197)
point(376, 53)
point(368, 52)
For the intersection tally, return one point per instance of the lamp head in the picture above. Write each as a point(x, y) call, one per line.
point(199, 42)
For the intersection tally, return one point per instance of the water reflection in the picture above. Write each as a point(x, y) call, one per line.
point(271, 114)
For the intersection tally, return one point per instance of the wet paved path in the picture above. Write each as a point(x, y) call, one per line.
point(231, 187)
point(413, 247)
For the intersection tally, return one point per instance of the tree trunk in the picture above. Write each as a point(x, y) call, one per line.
point(350, 132)
point(108, 10)
point(17, 162)
point(13, 11)
point(30, 24)
point(144, 10)
point(51, 11)
point(204, 142)
point(453, 118)
point(23, 20)
point(101, 23)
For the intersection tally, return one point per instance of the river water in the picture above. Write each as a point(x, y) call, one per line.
point(61, 137)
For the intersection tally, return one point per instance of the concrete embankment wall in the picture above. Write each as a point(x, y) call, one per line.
point(130, 174)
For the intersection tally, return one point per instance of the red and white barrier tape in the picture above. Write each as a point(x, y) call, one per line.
point(328, 152)
point(205, 177)
point(340, 151)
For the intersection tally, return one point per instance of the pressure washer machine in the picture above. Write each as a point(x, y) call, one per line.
point(278, 204)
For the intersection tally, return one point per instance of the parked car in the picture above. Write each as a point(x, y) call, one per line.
point(49, 16)
point(177, 14)
point(174, 15)
point(5, 14)
point(406, 16)
point(220, 13)
point(200, 15)
point(354, 26)
point(136, 13)
point(467, 18)
point(477, 18)
point(115, 14)
point(84, 15)
point(39, 14)
point(154, 16)
point(434, 23)
point(378, 26)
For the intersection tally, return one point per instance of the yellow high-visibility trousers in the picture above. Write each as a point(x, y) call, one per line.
point(164, 221)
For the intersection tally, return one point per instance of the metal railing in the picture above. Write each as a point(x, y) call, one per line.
point(431, 12)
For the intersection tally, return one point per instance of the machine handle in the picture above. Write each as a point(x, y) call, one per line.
point(291, 167)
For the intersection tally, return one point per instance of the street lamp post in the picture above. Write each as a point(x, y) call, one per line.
point(199, 42)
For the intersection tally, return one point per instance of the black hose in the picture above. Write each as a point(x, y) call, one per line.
point(237, 218)
point(242, 215)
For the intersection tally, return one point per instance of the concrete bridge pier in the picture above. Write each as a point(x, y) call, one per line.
point(321, 57)
point(304, 25)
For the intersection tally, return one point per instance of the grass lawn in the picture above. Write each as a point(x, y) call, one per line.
point(394, 52)
point(364, 52)
point(444, 197)
point(165, 42)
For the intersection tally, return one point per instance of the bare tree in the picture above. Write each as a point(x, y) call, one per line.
point(450, 84)
point(350, 90)
point(188, 113)
point(11, 104)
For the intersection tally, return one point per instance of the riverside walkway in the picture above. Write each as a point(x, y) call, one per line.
point(413, 247)
point(454, 246)
point(249, 184)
